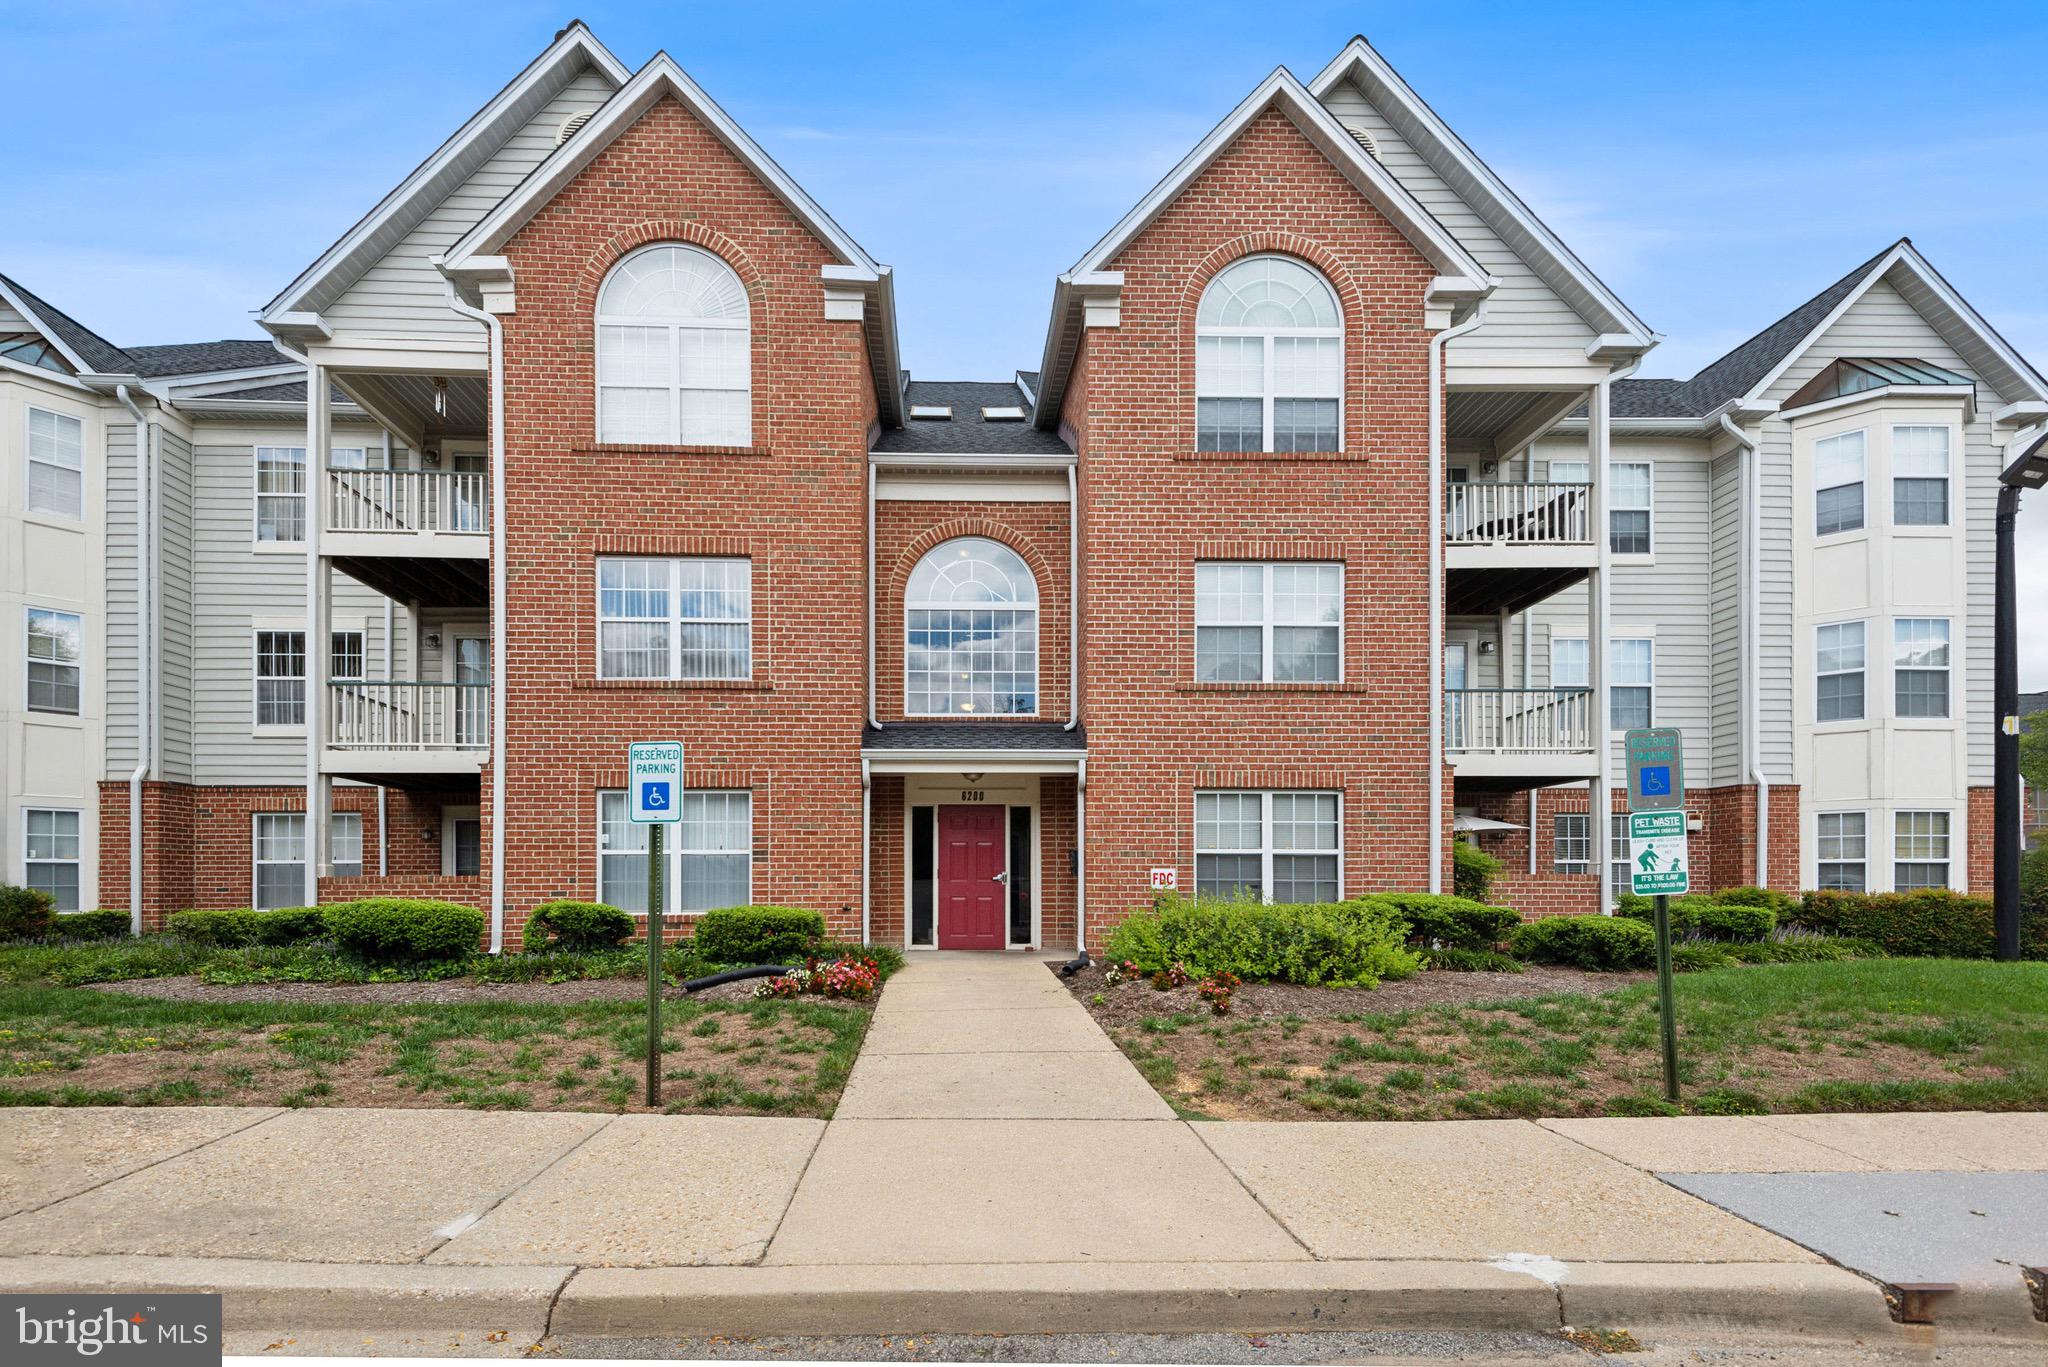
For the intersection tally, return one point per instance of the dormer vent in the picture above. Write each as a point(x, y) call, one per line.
point(570, 126)
point(932, 412)
point(1358, 129)
point(1004, 413)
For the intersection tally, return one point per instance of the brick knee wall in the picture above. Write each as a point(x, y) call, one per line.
point(1983, 840)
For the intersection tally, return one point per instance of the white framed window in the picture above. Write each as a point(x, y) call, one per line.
point(1920, 470)
point(1919, 850)
point(1920, 667)
point(709, 853)
point(690, 618)
point(1843, 848)
point(1838, 483)
point(51, 853)
point(279, 848)
point(56, 463)
point(674, 351)
point(1571, 849)
point(1618, 854)
point(345, 656)
point(1269, 623)
point(1839, 657)
point(56, 655)
point(1269, 359)
point(281, 493)
point(1630, 497)
point(970, 632)
point(345, 843)
point(280, 678)
point(1275, 846)
point(1631, 676)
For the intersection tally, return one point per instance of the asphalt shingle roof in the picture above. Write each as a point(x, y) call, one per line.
point(99, 354)
point(965, 432)
point(194, 358)
point(973, 735)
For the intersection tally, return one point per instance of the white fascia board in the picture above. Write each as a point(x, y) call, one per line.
point(573, 48)
point(203, 383)
point(1547, 254)
point(8, 363)
point(16, 302)
point(2023, 414)
point(966, 460)
point(1966, 392)
point(660, 78)
point(298, 329)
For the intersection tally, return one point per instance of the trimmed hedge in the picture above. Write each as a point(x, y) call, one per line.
point(405, 929)
point(1600, 943)
point(243, 926)
point(758, 935)
point(1931, 923)
point(1472, 870)
point(1781, 904)
point(105, 924)
point(25, 913)
point(1453, 922)
point(1350, 944)
point(576, 927)
point(1708, 918)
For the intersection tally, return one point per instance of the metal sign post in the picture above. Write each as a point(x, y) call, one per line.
point(655, 799)
point(1657, 862)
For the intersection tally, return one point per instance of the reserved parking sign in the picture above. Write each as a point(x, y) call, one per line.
point(654, 780)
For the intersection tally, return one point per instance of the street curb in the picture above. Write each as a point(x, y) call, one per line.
point(365, 1297)
point(1797, 1298)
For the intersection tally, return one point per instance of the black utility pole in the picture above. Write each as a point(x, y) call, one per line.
point(2030, 471)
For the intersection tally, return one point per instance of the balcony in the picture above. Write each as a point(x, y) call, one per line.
point(1519, 737)
point(414, 535)
point(1510, 546)
point(403, 732)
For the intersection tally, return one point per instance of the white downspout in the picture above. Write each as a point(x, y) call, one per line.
point(866, 825)
point(872, 721)
point(390, 649)
point(1081, 857)
point(1752, 711)
point(1073, 600)
point(1437, 343)
point(496, 380)
point(145, 628)
point(1528, 659)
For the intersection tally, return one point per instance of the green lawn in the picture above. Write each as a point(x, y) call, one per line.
point(75, 1047)
point(1863, 1035)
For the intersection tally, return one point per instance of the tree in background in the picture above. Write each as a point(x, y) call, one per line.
point(2034, 769)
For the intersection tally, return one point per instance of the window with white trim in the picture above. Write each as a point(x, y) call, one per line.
point(709, 853)
point(279, 847)
point(56, 654)
point(674, 351)
point(1838, 483)
point(1631, 676)
point(345, 656)
point(51, 854)
point(690, 618)
point(1618, 854)
point(1919, 850)
point(345, 844)
point(1844, 852)
point(1920, 667)
point(1920, 470)
point(1269, 623)
point(56, 463)
point(970, 613)
point(281, 493)
point(1269, 359)
point(281, 678)
point(1271, 846)
point(1571, 847)
point(1838, 660)
point(1630, 485)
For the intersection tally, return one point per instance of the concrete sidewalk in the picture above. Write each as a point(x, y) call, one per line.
point(996, 1165)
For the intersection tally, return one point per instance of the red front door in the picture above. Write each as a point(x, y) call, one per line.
point(974, 896)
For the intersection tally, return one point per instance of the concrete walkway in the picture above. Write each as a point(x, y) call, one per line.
point(996, 1165)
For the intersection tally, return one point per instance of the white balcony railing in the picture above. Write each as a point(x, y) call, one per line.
point(454, 501)
point(375, 715)
point(1517, 721)
point(1488, 514)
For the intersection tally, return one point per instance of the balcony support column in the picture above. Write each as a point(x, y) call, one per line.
point(1599, 822)
point(319, 429)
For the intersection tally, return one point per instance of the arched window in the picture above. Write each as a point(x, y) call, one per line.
point(674, 364)
point(1269, 359)
point(971, 632)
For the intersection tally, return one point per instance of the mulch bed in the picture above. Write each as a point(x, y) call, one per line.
point(449, 992)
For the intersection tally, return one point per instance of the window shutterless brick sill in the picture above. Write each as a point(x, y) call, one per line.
point(1259, 688)
point(658, 449)
point(1325, 457)
point(676, 685)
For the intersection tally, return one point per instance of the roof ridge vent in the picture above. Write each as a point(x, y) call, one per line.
point(1358, 129)
point(572, 125)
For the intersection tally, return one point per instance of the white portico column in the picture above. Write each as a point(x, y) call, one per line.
point(1599, 820)
point(318, 614)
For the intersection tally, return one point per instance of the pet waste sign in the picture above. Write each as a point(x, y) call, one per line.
point(1656, 854)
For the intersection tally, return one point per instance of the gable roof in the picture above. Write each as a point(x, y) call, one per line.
point(967, 432)
point(204, 358)
point(87, 351)
point(1487, 194)
point(449, 165)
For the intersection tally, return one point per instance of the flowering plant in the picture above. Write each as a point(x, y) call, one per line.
point(853, 979)
point(1119, 971)
point(1217, 991)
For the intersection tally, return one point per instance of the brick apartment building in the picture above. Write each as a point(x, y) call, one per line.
point(1331, 522)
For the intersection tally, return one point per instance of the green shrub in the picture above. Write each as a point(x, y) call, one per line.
point(104, 924)
point(241, 927)
point(405, 929)
point(1452, 921)
point(1629, 904)
point(1781, 904)
point(1601, 943)
point(1707, 918)
point(2034, 877)
point(1930, 923)
point(758, 935)
point(888, 958)
point(1454, 959)
point(1473, 870)
point(1699, 957)
point(1355, 943)
point(25, 912)
point(577, 927)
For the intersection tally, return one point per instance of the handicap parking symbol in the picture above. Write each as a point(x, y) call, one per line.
point(656, 795)
point(1656, 780)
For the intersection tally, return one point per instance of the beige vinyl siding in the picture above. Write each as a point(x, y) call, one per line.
point(1775, 665)
point(121, 642)
point(402, 295)
point(1725, 508)
point(1524, 310)
point(174, 606)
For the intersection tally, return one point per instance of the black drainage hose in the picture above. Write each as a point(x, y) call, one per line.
point(733, 975)
point(1074, 965)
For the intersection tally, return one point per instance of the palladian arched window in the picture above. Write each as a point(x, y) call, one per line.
point(971, 632)
point(674, 354)
point(1269, 359)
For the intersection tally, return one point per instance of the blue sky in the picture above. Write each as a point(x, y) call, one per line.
point(172, 166)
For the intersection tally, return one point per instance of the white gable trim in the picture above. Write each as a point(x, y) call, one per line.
point(341, 264)
point(1518, 226)
point(48, 333)
point(1989, 354)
